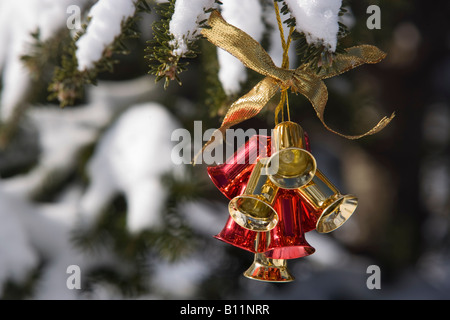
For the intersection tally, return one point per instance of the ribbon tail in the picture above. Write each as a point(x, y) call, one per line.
point(380, 126)
point(251, 104)
point(354, 57)
point(315, 90)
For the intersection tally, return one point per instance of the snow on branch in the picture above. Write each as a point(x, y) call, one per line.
point(185, 23)
point(248, 16)
point(317, 20)
point(107, 17)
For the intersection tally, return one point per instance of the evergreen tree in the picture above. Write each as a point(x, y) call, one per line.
point(67, 147)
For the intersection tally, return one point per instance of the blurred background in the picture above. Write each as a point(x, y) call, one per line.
point(93, 184)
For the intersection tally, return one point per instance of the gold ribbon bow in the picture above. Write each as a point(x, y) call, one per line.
point(301, 80)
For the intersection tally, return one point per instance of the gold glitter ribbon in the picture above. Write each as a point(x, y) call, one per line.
point(301, 80)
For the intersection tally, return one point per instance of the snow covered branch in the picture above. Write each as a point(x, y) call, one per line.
point(317, 20)
point(105, 25)
point(185, 23)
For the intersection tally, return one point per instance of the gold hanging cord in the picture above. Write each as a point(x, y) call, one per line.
point(284, 100)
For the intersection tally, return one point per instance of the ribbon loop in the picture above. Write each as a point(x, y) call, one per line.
point(354, 57)
point(301, 80)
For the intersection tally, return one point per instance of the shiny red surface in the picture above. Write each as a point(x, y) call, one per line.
point(287, 239)
point(242, 238)
point(307, 144)
point(232, 176)
point(308, 216)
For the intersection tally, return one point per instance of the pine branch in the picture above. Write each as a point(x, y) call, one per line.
point(68, 82)
point(173, 240)
point(163, 63)
point(44, 55)
point(216, 100)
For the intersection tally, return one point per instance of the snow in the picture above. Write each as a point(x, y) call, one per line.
point(18, 257)
point(184, 25)
point(18, 19)
point(186, 274)
point(317, 19)
point(31, 232)
point(130, 159)
point(232, 73)
point(80, 126)
point(105, 25)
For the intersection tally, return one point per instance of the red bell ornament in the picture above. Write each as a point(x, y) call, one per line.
point(308, 216)
point(232, 176)
point(242, 238)
point(231, 179)
point(287, 240)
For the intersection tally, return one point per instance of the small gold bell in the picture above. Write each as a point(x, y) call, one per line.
point(333, 209)
point(290, 166)
point(268, 270)
point(253, 209)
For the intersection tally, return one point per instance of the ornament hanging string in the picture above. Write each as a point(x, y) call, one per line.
point(285, 64)
point(302, 80)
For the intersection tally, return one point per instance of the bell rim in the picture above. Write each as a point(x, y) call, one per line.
point(337, 203)
point(232, 212)
point(278, 252)
point(271, 176)
point(290, 279)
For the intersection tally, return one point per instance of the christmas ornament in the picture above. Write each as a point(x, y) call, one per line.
point(286, 240)
point(277, 194)
point(231, 177)
point(269, 270)
point(253, 209)
point(331, 208)
point(301, 80)
point(291, 165)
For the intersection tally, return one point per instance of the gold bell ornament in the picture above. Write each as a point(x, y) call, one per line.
point(268, 270)
point(331, 208)
point(290, 166)
point(265, 268)
point(253, 209)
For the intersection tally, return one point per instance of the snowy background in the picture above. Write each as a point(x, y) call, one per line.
point(63, 167)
